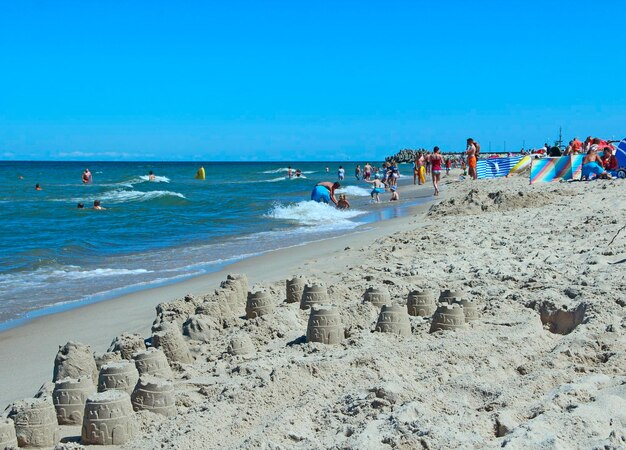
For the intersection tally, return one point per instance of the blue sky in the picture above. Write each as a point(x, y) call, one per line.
point(296, 80)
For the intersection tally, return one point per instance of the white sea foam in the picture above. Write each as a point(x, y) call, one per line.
point(45, 275)
point(122, 196)
point(313, 213)
point(282, 169)
point(157, 179)
point(354, 191)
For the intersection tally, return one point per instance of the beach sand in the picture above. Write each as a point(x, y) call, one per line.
point(544, 366)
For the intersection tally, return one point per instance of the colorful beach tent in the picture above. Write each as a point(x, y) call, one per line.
point(496, 167)
point(553, 169)
point(620, 153)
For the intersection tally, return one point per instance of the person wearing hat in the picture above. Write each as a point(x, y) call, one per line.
point(394, 194)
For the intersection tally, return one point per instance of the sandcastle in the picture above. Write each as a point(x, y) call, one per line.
point(241, 345)
point(421, 303)
point(470, 310)
point(35, 422)
point(447, 295)
point(8, 438)
point(69, 398)
point(173, 344)
point(315, 293)
point(127, 344)
point(155, 395)
point(258, 304)
point(152, 362)
point(239, 283)
point(377, 296)
point(295, 288)
point(324, 326)
point(109, 419)
point(448, 317)
point(120, 375)
point(201, 328)
point(106, 358)
point(394, 319)
point(75, 360)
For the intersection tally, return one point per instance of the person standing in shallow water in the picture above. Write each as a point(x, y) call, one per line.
point(87, 177)
point(324, 192)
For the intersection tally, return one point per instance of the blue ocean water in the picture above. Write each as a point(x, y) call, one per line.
point(152, 232)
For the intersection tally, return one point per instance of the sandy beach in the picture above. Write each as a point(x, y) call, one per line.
point(542, 366)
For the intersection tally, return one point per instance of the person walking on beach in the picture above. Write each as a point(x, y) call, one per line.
point(436, 161)
point(419, 171)
point(324, 192)
point(471, 158)
point(87, 178)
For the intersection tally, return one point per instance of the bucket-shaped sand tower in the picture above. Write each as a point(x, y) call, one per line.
point(155, 395)
point(315, 293)
point(470, 309)
point(241, 345)
point(377, 296)
point(171, 341)
point(121, 375)
point(258, 304)
point(394, 319)
point(152, 362)
point(295, 288)
point(69, 396)
point(239, 283)
point(8, 438)
point(324, 325)
point(421, 303)
point(447, 295)
point(35, 422)
point(448, 317)
point(109, 419)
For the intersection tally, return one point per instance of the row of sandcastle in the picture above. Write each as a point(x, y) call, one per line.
point(102, 393)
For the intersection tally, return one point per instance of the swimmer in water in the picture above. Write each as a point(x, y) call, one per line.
point(96, 205)
point(37, 187)
point(298, 173)
point(80, 206)
point(151, 176)
point(87, 178)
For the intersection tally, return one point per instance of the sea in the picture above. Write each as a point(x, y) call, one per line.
point(55, 256)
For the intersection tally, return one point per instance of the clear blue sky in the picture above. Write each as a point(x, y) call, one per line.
point(322, 80)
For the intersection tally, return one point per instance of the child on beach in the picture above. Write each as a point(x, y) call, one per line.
point(343, 202)
point(379, 188)
point(394, 194)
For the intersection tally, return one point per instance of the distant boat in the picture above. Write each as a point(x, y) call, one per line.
point(200, 175)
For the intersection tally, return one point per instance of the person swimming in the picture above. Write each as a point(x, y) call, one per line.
point(96, 205)
point(151, 176)
point(37, 187)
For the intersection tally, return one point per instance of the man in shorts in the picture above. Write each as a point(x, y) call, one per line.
point(471, 153)
point(324, 192)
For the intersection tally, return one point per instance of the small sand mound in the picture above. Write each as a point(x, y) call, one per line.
point(489, 198)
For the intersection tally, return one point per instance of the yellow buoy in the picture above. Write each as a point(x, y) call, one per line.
point(200, 174)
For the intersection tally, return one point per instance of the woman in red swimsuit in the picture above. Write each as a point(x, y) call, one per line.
point(436, 160)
